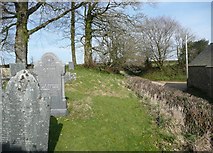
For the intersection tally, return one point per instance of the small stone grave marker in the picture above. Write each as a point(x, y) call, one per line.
point(26, 115)
point(69, 76)
point(71, 65)
point(50, 73)
point(16, 67)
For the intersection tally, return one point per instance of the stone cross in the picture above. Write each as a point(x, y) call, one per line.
point(50, 73)
point(26, 115)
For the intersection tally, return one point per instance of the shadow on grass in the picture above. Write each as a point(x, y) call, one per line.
point(54, 133)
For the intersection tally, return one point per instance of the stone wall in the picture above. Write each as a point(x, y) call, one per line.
point(200, 78)
point(210, 76)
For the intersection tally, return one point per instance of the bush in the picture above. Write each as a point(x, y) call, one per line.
point(133, 69)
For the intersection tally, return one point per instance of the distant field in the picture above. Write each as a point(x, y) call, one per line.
point(170, 72)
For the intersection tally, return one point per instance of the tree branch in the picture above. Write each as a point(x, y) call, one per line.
point(43, 25)
point(34, 8)
point(7, 17)
point(5, 29)
point(7, 11)
point(93, 5)
point(99, 13)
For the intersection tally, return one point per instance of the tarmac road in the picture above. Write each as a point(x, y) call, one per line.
point(177, 85)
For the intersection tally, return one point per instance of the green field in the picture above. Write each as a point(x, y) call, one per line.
point(103, 116)
point(167, 73)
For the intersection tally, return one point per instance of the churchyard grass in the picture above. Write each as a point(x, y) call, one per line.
point(104, 116)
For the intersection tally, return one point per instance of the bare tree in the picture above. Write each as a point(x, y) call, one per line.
point(95, 19)
point(117, 43)
point(157, 36)
point(17, 14)
point(91, 11)
point(180, 39)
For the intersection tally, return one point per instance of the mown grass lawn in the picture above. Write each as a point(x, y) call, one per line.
point(104, 116)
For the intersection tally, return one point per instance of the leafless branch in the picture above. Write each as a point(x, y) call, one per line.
point(34, 8)
point(53, 19)
point(5, 29)
point(7, 11)
point(7, 17)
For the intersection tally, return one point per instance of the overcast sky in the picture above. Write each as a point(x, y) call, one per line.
point(193, 15)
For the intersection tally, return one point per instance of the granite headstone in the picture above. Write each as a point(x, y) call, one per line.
point(26, 115)
point(0, 113)
point(50, 74)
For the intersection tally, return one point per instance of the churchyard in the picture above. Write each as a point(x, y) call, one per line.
point(91, 111)
point(114, 100)
point(57, 108)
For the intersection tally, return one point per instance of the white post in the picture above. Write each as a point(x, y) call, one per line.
point(187, 71)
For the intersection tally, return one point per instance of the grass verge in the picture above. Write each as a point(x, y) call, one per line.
point(104, 116)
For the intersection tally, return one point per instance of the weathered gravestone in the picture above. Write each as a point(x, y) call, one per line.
point(26, 115)
point(71, 65)
point(0, 113)
point(50, 73)
point(16, 67)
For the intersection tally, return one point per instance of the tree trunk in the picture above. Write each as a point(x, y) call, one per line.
point(88, 44)
point(159, 63)
point(22, 36)
point(88, 39)
point(113, 52)
point(72, 30)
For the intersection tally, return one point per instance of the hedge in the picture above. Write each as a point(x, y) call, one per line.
point(195, 114)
